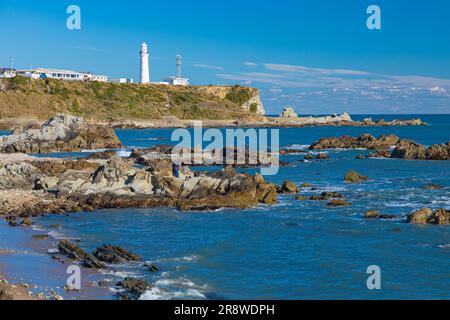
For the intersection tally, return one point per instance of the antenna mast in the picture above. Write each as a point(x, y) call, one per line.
point(179, 64)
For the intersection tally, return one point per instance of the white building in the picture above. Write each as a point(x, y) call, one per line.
point(43, 73)
point(178, 80)
point(7, 73)
point(175, 81)
point(145, 71)
point(122, 80)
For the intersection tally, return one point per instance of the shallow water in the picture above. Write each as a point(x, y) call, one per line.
point(296, 249)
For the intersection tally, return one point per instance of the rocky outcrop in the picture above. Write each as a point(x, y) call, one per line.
point(355, 177)
point(365, 141)
point(438, 152)
point(372, 214)
point(427, 216)
point(288, 187)
point(403, 149)
point(338, 203)
point(32, 186)
point(410, 150)
point(132, 288)
point(288, 113)
point(76, 253)
point(115, 255)
point(238, 157)
point(62, 133)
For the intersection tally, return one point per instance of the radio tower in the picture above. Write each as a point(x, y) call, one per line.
point(179, 64)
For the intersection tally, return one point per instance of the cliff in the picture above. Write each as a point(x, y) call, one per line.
point(41, 99)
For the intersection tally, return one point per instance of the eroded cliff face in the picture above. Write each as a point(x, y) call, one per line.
point(248, 98)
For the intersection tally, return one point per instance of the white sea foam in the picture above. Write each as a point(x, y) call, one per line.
point(55, 235)
point(174, 289)
point(297, 147)
point(190, 258)
point(95, 150)
point(123, 153)
point(159, 293)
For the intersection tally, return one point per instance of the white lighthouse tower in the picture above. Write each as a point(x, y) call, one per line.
point(145, 73)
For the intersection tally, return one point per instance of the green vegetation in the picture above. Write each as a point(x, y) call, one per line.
point(254, 108)
point(239, 95)
point(109, 101)
point(17, 82)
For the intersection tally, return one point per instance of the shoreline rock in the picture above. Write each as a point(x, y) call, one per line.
point(402, 148)
point(62, 133)
point(427, 216)
point(355, 177)
point(76, 185)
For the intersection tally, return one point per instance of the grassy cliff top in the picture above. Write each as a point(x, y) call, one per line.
point(43, 98)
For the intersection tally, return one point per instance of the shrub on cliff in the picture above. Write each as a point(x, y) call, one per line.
point(239, 95)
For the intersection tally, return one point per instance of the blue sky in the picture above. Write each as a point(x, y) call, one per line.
point(317, 56)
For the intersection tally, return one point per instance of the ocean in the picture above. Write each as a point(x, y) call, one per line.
point(293, 250)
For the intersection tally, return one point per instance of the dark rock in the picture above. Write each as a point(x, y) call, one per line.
point(289, 187)
point(151, 267)
point(375, 215)
point(438, 152)
point(133, 287)
point(26, 222)
point(355, 177)
point(410, 150)
point(338, 203)
point(115, 255)
point(371, 214)
point(433, 187)
point(41, 237)
point(322, 156)
point(76, 253)
point(365, 141)
point(420, 217)
point(380, 154)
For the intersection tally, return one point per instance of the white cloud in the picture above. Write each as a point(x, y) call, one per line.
point(308, 70)
point(337, 90)
point(250, 64)
point(207, 66)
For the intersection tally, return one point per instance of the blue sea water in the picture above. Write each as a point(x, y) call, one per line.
point(295, 249)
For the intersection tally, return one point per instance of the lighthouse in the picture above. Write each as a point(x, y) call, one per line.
point(145, 73)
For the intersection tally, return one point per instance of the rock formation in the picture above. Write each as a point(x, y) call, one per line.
point(354, 177)
point(403, 148)
point(365, 141)
point(62, 133)
point(288, 113)
point(427, 216)
point(32, 186)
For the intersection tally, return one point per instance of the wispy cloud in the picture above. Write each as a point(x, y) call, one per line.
point(250, 64)
point(311, 71)
point(87, 48)
point(207, 66)
point(336, 90)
